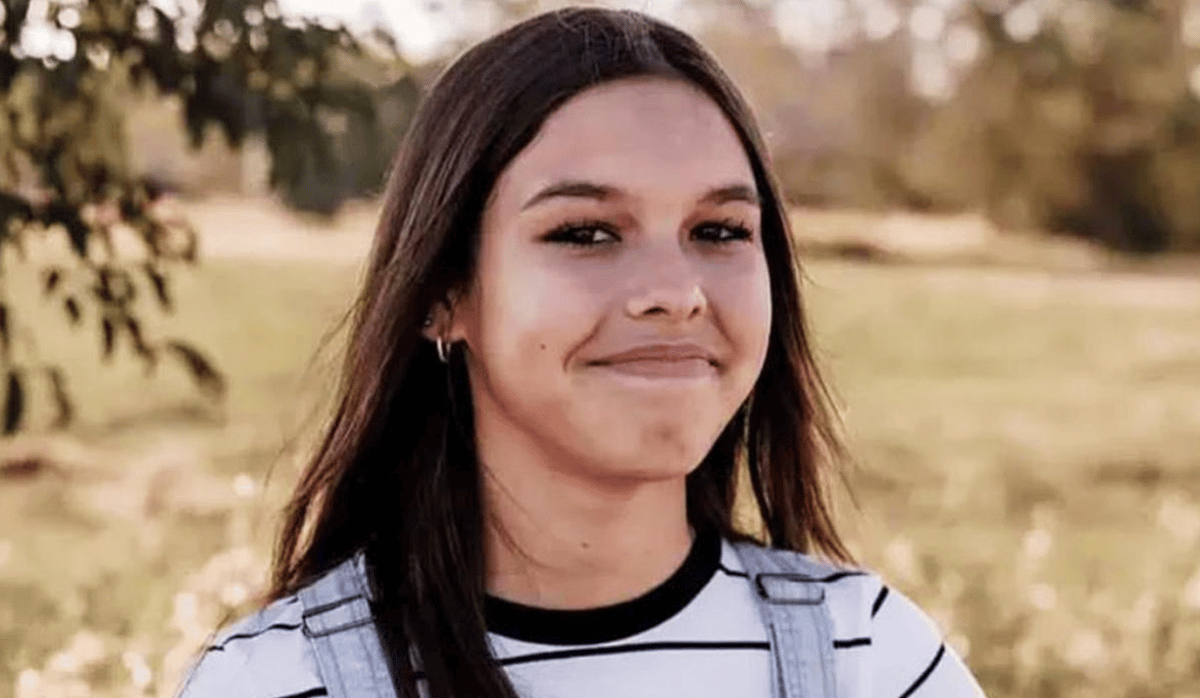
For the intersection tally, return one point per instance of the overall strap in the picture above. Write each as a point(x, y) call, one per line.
point(791, 599)
point(338, 622)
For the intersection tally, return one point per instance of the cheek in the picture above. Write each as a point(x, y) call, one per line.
point(743, 297)
point(533, 313)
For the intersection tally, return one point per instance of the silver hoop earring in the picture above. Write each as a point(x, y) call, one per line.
point(442, 350)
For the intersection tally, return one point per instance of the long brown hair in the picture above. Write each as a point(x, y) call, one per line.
point(396, 473)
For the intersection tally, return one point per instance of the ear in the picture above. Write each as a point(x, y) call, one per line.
point(441, 319)
point(436, 321)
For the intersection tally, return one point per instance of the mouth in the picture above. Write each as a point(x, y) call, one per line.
point(687, 362)
point(679, 368)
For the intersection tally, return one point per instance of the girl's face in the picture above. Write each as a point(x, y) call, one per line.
point(621, 308)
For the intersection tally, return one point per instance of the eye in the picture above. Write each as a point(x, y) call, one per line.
point(723, 231)
point(582, 234)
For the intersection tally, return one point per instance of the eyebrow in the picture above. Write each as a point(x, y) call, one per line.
point(580, 189)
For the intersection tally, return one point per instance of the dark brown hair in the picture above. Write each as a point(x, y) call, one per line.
point(396, 474)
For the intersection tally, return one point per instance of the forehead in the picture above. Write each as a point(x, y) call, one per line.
point(649, 137)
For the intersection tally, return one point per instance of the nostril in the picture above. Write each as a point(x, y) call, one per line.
point(668, 302)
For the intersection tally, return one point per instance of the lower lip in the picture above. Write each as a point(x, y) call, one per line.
point(663, 369)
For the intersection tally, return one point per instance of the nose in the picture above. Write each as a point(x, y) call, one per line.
point(671, 291)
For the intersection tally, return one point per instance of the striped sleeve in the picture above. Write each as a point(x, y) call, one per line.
point(910, 658)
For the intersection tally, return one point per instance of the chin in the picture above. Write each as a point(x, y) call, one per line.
point(664, 453)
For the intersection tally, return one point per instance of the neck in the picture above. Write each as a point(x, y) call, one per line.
point(558, 541)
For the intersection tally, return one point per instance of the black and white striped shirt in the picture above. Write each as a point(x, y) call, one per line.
point(700, 634)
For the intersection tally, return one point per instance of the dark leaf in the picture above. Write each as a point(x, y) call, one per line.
point(110, 334)
point(139, 344)
point(102, 289)
point(72, 307)
point(9, 67)
point(66, 215)
point(159, 281)
point(165, 64)
point(14, 16)
point(206, 377)
point(191, 243)
point(15, 208)
point(166, 36)
point(5, 333)
point(54, 176)
point(130, 208)
point(14, 403)
point(114, 286)
point(53, 277)
point(62, 400)
point(151, 233)
point(232, 126)
point(135, 334)
point(196, 118)
point(98, 177)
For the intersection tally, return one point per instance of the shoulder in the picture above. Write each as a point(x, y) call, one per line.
point(262, 655)
point(879, 632)
point(848, 592)
point(909, 652)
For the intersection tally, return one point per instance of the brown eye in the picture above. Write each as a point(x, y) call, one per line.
point(722, 232)
point(586, 234)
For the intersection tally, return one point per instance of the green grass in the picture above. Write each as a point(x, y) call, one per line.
point(983, 403)
point(980, 403)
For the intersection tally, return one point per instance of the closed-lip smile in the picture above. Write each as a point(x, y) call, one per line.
point(658, 361)
point(660, 352)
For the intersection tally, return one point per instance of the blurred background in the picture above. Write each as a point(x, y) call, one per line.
point(998, 205)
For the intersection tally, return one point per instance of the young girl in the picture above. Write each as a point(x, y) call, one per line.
point(580, 326)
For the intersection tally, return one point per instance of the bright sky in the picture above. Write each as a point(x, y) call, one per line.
point(419, 31)
point(422, 32)
point(810, 24)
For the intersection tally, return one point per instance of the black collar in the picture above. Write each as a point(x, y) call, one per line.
point(615, 622)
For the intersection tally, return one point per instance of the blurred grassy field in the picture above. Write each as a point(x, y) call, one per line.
point(1027, 469)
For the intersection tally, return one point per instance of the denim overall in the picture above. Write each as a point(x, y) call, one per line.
point(336, 619)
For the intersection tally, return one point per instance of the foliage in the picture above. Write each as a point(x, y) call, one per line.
point(1074, 116)
point(323, 99)
point(1099, 132)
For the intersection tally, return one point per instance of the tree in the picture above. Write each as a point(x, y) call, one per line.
point(1071, 116)
point(1097, 129)
point(1077, 117)
point(314, 92)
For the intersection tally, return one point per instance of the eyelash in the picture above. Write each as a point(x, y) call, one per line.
point(562, 234)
